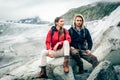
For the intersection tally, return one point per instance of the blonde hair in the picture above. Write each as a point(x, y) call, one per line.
point(78, 15)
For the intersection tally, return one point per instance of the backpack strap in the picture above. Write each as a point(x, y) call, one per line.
point(53, 28)
point(84, 33)
point(71, 32)
point(64, 33)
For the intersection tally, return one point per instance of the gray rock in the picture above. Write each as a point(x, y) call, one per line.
point(83, 76)
point(60, 75)
point(104, 71)
point(113, 57)
point(50, 68)
point(117, 70)
point(55, 69)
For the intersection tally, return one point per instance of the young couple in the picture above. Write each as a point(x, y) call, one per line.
point(61, 42)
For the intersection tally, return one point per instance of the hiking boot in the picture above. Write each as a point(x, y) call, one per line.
point(66, 66)
point(42, 74)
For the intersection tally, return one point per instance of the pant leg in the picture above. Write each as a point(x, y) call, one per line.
point(43, 57)
point(66, 48)
point(90, 58)
point(64, 51)
point(76, 56)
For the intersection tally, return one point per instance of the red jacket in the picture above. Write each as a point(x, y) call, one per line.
point(50, 44)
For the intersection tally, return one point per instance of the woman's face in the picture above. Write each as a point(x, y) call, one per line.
point(60, 23)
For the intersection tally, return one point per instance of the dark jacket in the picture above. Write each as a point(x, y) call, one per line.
point(79, 41)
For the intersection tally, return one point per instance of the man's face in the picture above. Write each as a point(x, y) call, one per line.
point(78, 21)
point(60, 23)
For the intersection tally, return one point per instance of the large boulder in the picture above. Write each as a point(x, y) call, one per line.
point(113, 57)
point(117, 70)
point(55, 70)
point(104, 71)
point(60, 75)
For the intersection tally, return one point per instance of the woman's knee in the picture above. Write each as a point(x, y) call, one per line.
point(65, 42)
point(44, 53)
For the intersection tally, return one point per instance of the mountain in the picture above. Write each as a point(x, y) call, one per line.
point(91, 12)
point(32, 20)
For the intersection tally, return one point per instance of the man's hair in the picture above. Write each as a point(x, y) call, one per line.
point(78, 15)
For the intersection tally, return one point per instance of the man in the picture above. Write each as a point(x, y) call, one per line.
point(81, 43)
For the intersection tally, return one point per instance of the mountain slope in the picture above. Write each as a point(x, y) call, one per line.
point(92, 11)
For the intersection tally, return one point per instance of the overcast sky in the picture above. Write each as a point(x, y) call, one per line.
point(46, 9)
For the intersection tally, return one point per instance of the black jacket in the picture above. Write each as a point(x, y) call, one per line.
point(79, 40)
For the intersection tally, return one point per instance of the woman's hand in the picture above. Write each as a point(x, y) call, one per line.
point(56, 46)
point(50, 54)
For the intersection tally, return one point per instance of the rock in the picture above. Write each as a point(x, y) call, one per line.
point(55, 69)
point(57, 64)
point(113, 57)
point(117, 70)
point(104, 71)
point(83, 76)
point(50, 68)
point(60, 75)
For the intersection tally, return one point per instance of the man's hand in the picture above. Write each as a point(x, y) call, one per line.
point(56, 46)
point(74, 51)
point(72, 48)
point(88, 51)
point(50, 54)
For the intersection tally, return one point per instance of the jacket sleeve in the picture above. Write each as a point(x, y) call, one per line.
point(48, 40)
point(89, 40)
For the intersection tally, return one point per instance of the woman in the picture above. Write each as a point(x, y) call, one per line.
point(57, 45)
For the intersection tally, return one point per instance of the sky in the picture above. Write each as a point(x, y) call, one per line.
point(45, 9)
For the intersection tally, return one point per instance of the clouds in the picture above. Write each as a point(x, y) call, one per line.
point(18, 8)
point(46, 9)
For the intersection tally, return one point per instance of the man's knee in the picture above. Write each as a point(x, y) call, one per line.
point(74, 52)
point(94, 61)
point(94, 58)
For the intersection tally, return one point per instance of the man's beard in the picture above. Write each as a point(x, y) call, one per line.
point(80, 25)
